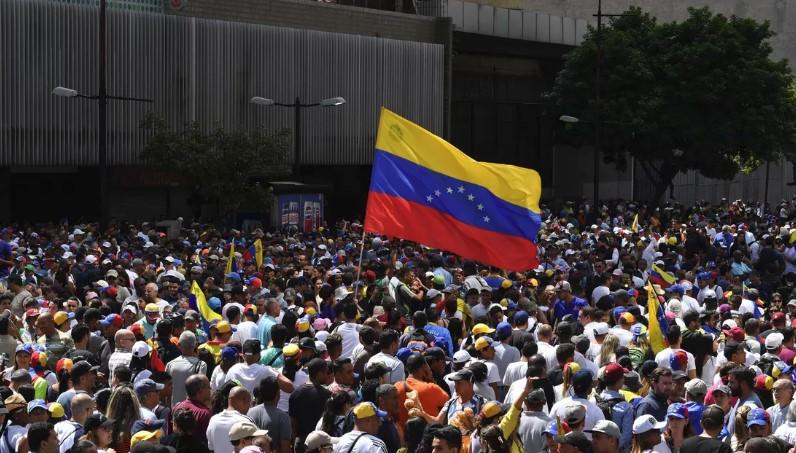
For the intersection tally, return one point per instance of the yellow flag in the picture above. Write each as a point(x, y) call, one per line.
point(654, 332)
point(201, 304)
point(258, 253)
point(231, 258)
point(634, 227)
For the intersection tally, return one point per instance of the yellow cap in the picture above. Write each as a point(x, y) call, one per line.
point(479, 329)
point(223, 327)
point(365, 410)
point(303, 325)
point(152, 308)
point(60, 317)
point(311, 311)
point(491, 409)
point(142, 436)
point(56, 410)
point(291, 350)
point(483, 343)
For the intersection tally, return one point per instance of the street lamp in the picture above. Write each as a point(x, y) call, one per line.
point(297, 106)
point(569, 119)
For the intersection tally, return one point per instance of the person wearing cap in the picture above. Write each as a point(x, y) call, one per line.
point(98, 429)
point(574, 442)
point(566, 302)
point(646, 433)
point(605, 437)
point(84, 377)
point(242, 434)
point(674, 339)
point(320, 442)
point(56, 342)
point(148, 392)
point(70, 431)
point(783, 395)
point(220, 424)
point(307, 402)
point(388, 347)
point(250, 371)
point(711, 423)
point(695, 391)
point(505, 353)
point(362, 439)
point(485, 353)
point(465, 397)
point(759, 422)
point(611, 400)
point(534, 421)
point(582, 383)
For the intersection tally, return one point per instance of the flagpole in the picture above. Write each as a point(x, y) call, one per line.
point(361, 253)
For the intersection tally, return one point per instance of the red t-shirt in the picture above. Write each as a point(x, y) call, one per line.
point(200, 412)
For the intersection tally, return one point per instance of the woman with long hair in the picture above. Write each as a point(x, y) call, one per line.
point(639, 348)
point(415, 427)
point(678, 427)
point(21, 361)
point(99, 431)
point(646, 434)
point(741, 434)
point(562, 390)
point(334, 414)
point(124, 408)
point(480, 386)
point(607, 351)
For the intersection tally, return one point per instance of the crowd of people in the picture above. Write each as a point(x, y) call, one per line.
point(130, 340)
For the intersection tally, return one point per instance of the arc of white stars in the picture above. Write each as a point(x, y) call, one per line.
point(437, 193)
point(430, 198)
point(461, 189)
point(471, 197)
point(487, 219)
point(449, 190)
point(480, 207)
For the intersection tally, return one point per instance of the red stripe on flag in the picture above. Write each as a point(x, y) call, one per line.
point(394, 216)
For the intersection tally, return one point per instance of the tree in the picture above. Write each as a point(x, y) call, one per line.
point(221, 166)
point(701, 94)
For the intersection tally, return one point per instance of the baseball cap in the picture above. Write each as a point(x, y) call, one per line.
point(317, 439)
point(60, 317)
point(130, 307)
point(307, 343)
point(302, 324)
point(462, 375)
point(230, 354)
point(581, 379)
point(62, 364)
point(647, 423)
point(251, 347)
point(481, 328)
point(696, 387)
point(434, 353)
point(56, 410)
point(145, 386)
point(144, 436)
point(152, 308)
point(600, 329)
point(575, 413)
point(15, 401)
point(460, 357)
point(677, 410)
point(290, 350)
point(503, 330)
point(774, 340)
point(725, 389)
point(31, 313)
point(148, 424)
point(141, 349)
point(244, 429)
point(112, 319)
point(95, 421)
point(778, 316)
point(366, 410)
point(576, 439)
point(613, 371)
point(493, 409)
point(678, 360)
point(536, 396)
point(606, 427)
point(483, 343)
point(224, 327)
point(37, 404)
point(757, 416)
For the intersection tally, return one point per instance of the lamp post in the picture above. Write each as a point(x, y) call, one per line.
point(297, 106)
point(102, 121)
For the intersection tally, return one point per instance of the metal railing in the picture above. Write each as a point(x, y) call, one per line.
point(433, 8)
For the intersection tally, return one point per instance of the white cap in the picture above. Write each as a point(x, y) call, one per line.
point(600, 329)
point(709, 294)
point(774, 340)
point(130, 307)
point(141, 349)
point(320, 346)
point(647, 423)
point(728, 324)
point(462, 357)
point(91, 259)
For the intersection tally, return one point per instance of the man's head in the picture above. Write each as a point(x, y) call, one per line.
point(387, 397)
point(187, 343)
point(447, 439)
point(713, 420)
point(42, 438)
point(662, 382)
point(605, 437)
point(367, 417)
point(783, 391)
point(197, 387)
point(759, 422)
point(124, 339)
point(343, 371)
point(148, 392)
point(82, 407)
point(741, 381)
point(318, 371)
point(574, 442)
point(417, 366)
point(240, 399)
point(45, 324)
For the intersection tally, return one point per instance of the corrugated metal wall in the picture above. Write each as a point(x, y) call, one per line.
point(199, 69)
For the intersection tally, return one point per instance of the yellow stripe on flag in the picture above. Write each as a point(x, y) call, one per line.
point(201, 303)
point(258, 253)
point(654, 332)
point(667, 277)
point(405, 139)
point(231, 258)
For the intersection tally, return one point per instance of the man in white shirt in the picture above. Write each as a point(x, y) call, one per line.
point(349, 330)
point(548, 351)
point(602, 289)
point(247, 327)
point(367, 418)
point(388, 345)
point(69, 431)
point(622, 331)
point(251, 372)
point(148, 392)
point(672, 356)
point(787, 432)
point(220, 424)
point(582, 383)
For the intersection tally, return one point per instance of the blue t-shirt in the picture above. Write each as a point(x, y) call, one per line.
point(695, 415)
point(562, 308)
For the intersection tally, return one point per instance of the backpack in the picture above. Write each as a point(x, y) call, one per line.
point(607, 405)
point(419, 340)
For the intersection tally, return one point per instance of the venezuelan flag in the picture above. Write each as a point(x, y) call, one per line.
point(424, 189)
point(661, 277)
point(198, 302)
point(657, 321)
point(258, 253)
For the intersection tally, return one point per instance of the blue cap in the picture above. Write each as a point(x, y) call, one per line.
point(677, 410)
point(145, 386)
point(112, 319)
point(552, 428)
point(229, 354)
point(677, 289)
point(214, 302)
point(37, 404)
point(24, 348)
point(618, 312)
point(703, 276)
point(233, 276)
point(147, 425)
point(403, 354)
point(757, 416)
point(521, 317)
point(503, 330)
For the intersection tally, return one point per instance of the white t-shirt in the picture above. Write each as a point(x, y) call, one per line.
point(66, 431)
point(623, 335)
point(284, 397)
point(493, 375)
point(246, 331)
point(599, 292)
point(350, 333)
point(218, 430)
point(364, 444)
point(249, 376)
point(218, 378)
point(515, 372)
point(662, 359)
point(395, 366)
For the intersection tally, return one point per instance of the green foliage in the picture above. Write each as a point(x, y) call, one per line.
point(707, 86)
point(226, 167)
